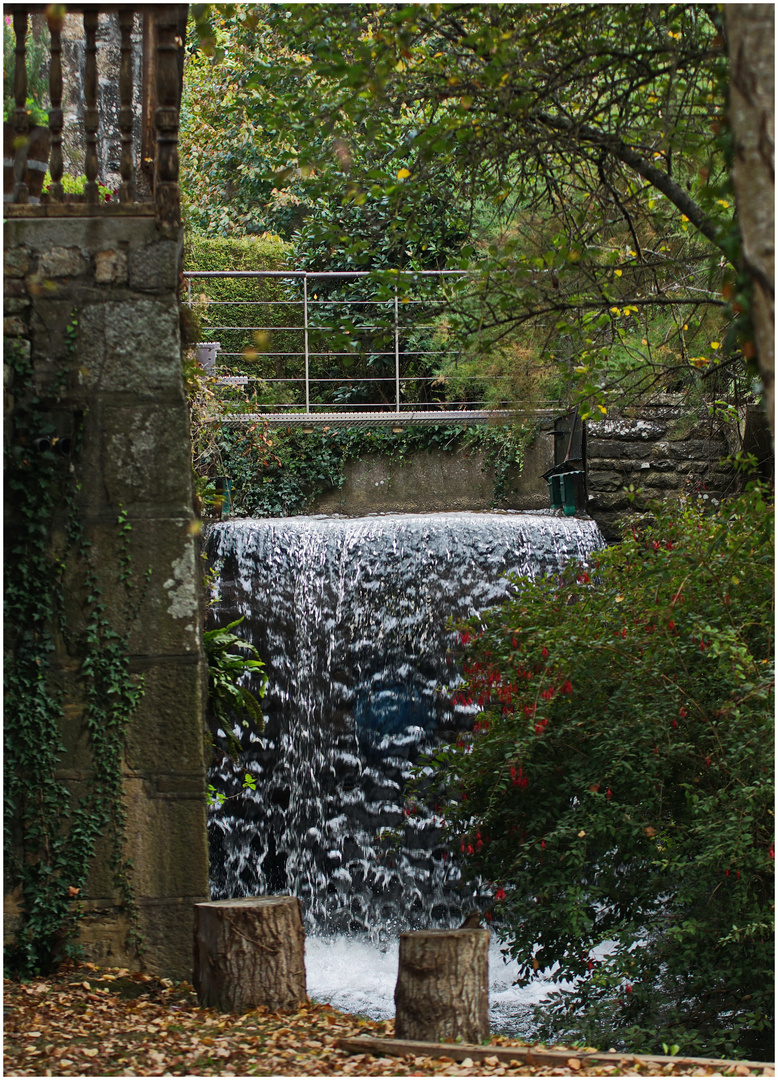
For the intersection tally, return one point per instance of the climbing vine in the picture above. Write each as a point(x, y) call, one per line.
point(66, 671)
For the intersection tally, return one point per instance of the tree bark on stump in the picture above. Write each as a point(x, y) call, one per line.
point(442, 989)
point(249, 952)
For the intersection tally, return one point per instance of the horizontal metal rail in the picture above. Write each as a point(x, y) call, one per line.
point(379, 419)
point(311, 372)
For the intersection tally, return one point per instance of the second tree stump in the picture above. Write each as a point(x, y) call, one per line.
point(250, 952)
point(442, 992)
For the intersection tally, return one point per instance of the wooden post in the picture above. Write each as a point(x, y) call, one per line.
point(55, 18)
point(168, 45)
point(442, 992)
point(250, 952)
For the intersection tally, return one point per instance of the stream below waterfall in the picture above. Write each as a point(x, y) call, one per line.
point(352, 619)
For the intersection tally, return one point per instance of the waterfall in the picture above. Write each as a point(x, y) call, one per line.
point(350, 616)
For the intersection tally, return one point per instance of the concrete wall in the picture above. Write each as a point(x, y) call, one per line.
point(436, 480)
point(124, 385)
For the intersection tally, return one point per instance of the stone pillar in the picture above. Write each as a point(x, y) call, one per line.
point(94, 302)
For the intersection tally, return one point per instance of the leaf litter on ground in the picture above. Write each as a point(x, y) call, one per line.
point(89, 1021)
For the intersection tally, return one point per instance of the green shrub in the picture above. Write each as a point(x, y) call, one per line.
point(74, 185)
point(231, 309)
point(618, 784)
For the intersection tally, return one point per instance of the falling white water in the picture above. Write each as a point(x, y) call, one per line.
point(351, 617)
point(358, 977)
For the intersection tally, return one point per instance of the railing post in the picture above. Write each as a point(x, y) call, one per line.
point(55, 18)
point(167, 195)
point(397, 349)
point(127, 186)
point(305, 336)
point(91, 115)
point(21, 122)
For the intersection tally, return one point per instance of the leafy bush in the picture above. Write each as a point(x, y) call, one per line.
point(616, 794)
point(245, 304)
point(74, 185)
point(37, 65)
point(228, 699)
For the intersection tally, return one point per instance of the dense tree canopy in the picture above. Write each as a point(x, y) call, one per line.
point(577, 155)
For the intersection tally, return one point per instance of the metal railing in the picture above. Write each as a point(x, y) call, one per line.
point(328, 347)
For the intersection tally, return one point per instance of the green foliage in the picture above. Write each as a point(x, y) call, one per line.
point(37, 71)
point(50, 833)
point(232, 309)
point(617, 791)
point(228, 700)
point(74, 185)
point(564, 151)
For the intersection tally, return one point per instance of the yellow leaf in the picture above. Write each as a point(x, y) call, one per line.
point(644, 341)
point(615, 311)
point(617, 273)
point(603, 409)
point(684, 217)
point(403, 174)
point(714, 344)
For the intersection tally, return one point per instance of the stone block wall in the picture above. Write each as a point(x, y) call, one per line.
point(115, 376)
point(662, 450)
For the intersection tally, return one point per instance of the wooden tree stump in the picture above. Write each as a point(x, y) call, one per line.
point(442, 989)
point(250, 952)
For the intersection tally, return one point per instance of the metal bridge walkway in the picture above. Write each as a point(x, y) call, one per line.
point(333, 349)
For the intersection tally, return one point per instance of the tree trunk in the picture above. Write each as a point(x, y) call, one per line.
point(250, 952)
point(751, 34)
point(442, 989)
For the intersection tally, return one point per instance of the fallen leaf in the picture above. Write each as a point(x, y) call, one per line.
point(574, 1063)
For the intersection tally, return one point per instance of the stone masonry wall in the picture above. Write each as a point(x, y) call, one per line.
point(663, 450)
point(118, 277)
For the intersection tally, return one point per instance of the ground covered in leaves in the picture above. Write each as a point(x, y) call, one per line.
point(89, 1021)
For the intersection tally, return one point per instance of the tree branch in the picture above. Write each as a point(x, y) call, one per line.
point(656, 177)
